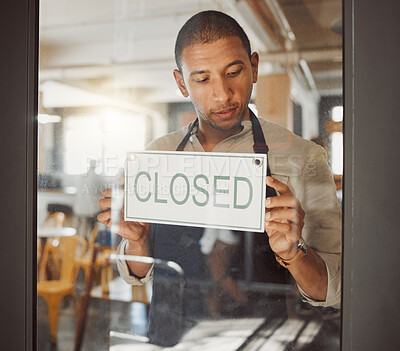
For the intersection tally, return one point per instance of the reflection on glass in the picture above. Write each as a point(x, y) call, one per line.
point(337, 153)
point(107, 89)
point(337, 114)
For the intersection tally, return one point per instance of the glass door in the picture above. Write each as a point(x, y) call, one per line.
point(106, 88)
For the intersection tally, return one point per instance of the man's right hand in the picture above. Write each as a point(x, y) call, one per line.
point(135, 232)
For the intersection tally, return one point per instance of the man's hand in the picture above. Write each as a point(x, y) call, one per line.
point(135, 232)
point(284, 220)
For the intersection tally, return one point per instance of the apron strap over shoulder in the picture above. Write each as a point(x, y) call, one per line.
point(260, 146)
point(184, 141)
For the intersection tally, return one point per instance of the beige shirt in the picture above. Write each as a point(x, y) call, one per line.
point(301, 165)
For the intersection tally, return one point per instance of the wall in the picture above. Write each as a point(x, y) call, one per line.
point(274, 95)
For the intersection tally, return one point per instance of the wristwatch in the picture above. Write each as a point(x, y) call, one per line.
point(301, 252)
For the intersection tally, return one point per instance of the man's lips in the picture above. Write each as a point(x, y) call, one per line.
point(226, 113)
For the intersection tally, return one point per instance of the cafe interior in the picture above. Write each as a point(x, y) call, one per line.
point(106, 88)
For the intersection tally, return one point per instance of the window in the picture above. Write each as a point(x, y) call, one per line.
point(106, 138)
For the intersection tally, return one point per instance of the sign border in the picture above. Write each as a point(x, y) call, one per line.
point(259, 228)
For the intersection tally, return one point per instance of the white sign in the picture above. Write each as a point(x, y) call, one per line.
point(201, 189)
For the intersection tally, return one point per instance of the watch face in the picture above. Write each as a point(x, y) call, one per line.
point(301, 245)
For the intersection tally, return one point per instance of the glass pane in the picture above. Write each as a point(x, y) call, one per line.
point(187, 278)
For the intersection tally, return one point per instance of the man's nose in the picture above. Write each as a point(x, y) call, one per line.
point(221, 91)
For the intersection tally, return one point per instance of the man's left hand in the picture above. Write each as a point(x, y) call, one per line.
point(284, 220)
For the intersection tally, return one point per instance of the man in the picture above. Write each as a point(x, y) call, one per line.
point(216, 70)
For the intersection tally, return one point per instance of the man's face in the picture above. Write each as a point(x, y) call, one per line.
point(218, 78)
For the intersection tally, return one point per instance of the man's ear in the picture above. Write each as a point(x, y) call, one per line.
point(254, 65)
point(180, 83)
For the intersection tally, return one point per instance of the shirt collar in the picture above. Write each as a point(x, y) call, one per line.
point(246, 127)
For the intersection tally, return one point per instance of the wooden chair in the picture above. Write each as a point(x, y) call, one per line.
point(63, 252)
point(101, 263)
point(54, 219)
point(54, 210)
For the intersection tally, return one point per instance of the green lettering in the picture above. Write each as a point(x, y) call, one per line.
point(235, 204)
point(204, 191)
point(156, 199)
point(220, 191)
point(172, 188)
point(142, 199)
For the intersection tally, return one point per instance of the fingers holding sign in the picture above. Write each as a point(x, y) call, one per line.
point(113, 214)
point(284, 220)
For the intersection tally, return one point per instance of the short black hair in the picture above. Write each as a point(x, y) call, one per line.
point(207, 27)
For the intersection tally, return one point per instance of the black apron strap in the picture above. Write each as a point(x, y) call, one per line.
point(260, 146)
point(184, 141)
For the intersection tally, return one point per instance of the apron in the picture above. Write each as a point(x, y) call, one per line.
point(181, 245)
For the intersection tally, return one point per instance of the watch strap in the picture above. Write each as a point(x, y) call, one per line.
point(301, 252)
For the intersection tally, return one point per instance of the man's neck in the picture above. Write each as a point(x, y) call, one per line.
point(209, 136)
point(208, 142)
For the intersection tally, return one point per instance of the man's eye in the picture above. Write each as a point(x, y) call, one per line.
point(234, 73)
point(201, 80)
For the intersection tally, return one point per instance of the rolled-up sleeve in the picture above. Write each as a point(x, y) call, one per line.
point(333, 296)
point(322, 223)
point(124, 270)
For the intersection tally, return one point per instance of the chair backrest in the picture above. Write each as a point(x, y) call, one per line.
point(92, 238)
point(59, 214)
point(64, 251)
point(55, 219)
